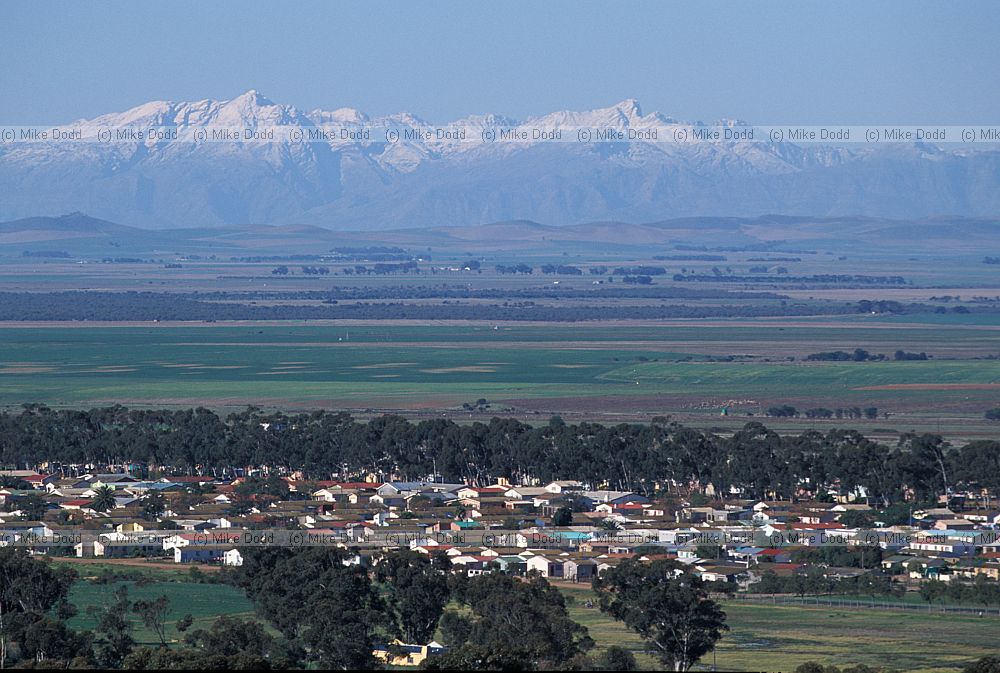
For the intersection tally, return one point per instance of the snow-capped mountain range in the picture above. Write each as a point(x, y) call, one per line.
point(356, 185)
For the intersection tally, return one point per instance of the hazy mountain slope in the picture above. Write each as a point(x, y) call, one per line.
point(374, 185)
point(79, 235)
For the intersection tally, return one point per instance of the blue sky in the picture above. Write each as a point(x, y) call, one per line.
point(782, 62)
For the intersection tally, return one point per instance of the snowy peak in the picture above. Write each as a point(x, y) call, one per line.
point(629, 108)
point(252, 98)
point(248, 109)
point(383, 177)
point(250, 105)
point(155, 112)
point(625, 114)
point(252, 108)
point(344, 115)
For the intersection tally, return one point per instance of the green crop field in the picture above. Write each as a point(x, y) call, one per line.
point(779, 638)
point(589, 369)
point(838, 380)
point(204, 602)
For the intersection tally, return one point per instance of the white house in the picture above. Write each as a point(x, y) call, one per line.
point(564, 486)
point(545, 566)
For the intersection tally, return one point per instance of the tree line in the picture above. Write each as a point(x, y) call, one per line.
point(647, 458)
point(824, 278)
point(788, 411)
point(861, 355)
point(153, 306)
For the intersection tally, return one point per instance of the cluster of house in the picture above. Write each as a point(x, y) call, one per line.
point(563, 530)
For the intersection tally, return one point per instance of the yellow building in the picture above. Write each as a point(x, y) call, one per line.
point(402, 654)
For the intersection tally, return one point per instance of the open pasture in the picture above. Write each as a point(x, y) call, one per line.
point(779, 638)
point(204, 602)
point(598, 370)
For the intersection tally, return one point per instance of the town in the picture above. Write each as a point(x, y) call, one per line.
point(538, 338)
point(826, 543)
point(563, 529)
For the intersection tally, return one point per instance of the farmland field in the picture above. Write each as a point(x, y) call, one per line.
point(601, 370)
point(204, 602)
point(779, 638)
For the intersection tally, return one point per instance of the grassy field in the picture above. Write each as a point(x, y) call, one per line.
point(598, 370)
point(779, 638)
point(204, 602)
point(159, 570)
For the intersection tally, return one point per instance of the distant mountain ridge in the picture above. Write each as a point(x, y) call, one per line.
point(346, 185)
point(80, 235)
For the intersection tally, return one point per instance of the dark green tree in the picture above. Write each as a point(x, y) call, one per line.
point(33, 507)
point(231, 636)
point(562, 517)
point(153, 614)
point(153, 505)
point(667, 606)
point(184, 623)
point(814, 667)
point(13, 483)
point(478, 658)
point(311, 596)
point(28, 589)
point(855, 519)
point(616, 658)
point(190, 659)
point(770, 583)
point(988, 664)
point(49, 643)
point(104, 499)
point(525, 622)
point(114, 630)
point(417, 592)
